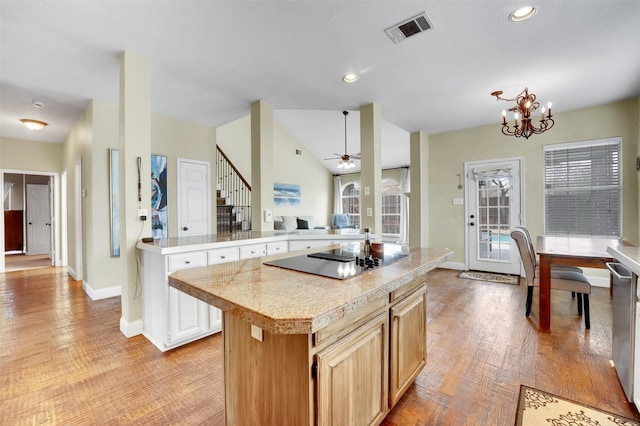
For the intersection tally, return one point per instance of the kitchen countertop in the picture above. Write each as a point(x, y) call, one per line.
point(289, 302)
point(627, 255)
point(207, 242)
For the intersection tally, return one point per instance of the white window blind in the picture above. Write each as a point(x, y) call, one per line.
point(583, 189)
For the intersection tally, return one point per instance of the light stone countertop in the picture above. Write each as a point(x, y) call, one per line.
point(627, 255)
point(175, 245)
point(288, 302)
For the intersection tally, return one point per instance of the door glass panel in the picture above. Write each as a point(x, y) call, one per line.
point(493, 215)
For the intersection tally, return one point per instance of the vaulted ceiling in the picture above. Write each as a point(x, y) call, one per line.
point(212, 59)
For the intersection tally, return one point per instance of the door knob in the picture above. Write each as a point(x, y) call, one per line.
point(185, 228)
point(471, 223)
point(48, 224)
point(472, 216)
point(30, 223)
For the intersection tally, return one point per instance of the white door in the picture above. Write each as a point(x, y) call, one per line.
point(38, 220)
point(493, 208)
point(194, 205)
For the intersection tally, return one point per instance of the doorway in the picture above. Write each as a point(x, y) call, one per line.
point(494, 206)
point(28, 197)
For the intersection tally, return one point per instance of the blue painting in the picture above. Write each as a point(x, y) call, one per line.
point(159, 196)
point(286, 195)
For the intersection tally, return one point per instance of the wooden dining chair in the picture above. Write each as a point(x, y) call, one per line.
point(567, 280)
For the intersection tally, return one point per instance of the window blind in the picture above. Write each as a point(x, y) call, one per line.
point(583, 190)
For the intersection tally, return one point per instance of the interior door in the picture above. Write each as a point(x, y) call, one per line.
point(194, 205)
point(493, 208)
point(38, 220)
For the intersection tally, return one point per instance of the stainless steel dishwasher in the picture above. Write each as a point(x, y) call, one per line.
point(624, 315)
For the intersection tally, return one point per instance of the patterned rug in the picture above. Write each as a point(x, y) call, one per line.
point(489, 276)
point(536, 407)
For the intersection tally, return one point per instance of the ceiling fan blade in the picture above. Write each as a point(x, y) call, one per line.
point(332, 158)
point(355, 156)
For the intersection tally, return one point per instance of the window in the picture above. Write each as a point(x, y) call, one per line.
point(351, 203)
point(583, 188)
point(391, 206)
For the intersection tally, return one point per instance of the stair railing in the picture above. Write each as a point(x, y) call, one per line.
point(236, 189)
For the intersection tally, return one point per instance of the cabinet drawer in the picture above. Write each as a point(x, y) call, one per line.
point(277, 247)
point(222, 255)
point(406, 290)
point(187, 260)
point(253, 250)
point(302, 245)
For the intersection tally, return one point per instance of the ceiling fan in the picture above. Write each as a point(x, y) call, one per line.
point(346, 160)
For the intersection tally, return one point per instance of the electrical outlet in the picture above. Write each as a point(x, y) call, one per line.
point(369, 211)
point(142, 214)
point(367, 190)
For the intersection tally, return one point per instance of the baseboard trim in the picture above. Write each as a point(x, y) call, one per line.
point(130, 329)
point(101, 293)
point(454, 265)
point(72, 272)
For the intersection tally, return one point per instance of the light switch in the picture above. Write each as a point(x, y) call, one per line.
point(458, 201)
point(367, 190)
point(369, 211)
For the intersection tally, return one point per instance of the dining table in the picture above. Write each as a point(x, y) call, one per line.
point(588, 252)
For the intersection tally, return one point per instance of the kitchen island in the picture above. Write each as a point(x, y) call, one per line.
point(305, 349)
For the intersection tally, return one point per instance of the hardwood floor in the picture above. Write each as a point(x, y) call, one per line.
point(64, 360)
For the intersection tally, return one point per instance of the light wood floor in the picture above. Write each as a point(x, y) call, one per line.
point(63, 359)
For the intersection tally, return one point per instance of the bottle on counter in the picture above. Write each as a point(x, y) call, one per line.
point(367, 243)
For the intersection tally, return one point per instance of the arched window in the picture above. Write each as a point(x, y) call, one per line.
point(351, 203)
point(391, 207)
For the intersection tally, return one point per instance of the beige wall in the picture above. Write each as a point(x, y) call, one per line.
point(22, 154)
point(315, 180)
point(448, 152)
point(180, 139)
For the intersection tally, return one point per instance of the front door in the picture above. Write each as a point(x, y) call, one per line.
point(194, 202)
point(38, 220)
point(493, 208)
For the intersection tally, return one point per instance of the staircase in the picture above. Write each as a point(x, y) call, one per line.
point(233, 194)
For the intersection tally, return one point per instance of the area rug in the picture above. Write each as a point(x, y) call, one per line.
point(536, 407)
point(489, 276)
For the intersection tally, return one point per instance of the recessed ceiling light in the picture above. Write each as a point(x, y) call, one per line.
point(523, 14)
point(350, 78)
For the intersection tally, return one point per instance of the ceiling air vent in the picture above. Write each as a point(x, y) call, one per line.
point(409, 27)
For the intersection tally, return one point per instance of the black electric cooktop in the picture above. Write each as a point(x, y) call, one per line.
point(340, 264)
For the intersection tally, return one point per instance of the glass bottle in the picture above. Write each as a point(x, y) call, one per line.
point(367, 243)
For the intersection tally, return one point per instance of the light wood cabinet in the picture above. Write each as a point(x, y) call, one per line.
point(352, 377)
point(408, 340)
point(351, 372)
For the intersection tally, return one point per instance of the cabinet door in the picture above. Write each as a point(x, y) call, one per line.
point(408, 342)
point(188, 316)
point(352, 377)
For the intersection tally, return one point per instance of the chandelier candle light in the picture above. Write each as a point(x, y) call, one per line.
point(526, 105)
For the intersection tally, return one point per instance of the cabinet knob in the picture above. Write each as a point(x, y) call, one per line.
point(253, 252)
point(185, 228)
point(187, 262)
point(223, 257)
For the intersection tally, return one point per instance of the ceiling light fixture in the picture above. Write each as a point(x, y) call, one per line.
point(346, 160)
point(350, 78)
point(33, 124)
point(523, 14)
point(526, 105)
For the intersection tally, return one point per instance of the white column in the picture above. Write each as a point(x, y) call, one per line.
point(261, 164)
point(419, 196)
point(371, 168)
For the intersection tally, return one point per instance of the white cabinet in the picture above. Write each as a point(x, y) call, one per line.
point(170, 317)
point(307, 244)
point(253, 250)
point(277, 247)
point(222, 255)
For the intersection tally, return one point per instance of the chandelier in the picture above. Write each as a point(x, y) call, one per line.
point(523, 125)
